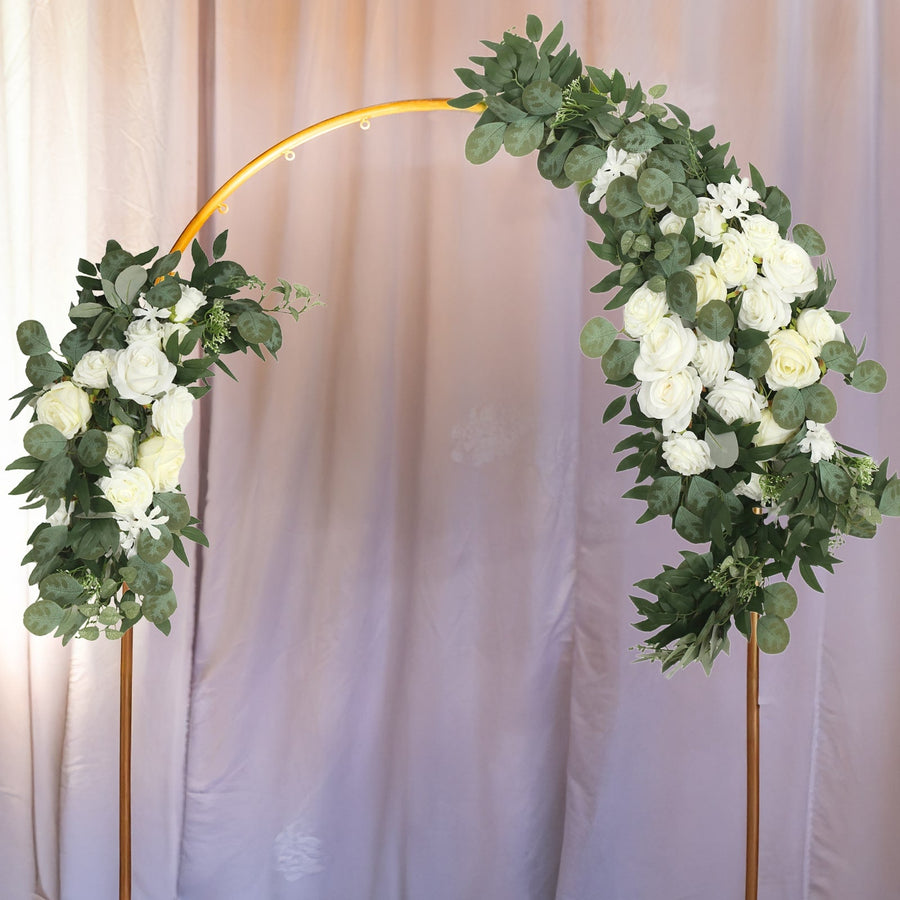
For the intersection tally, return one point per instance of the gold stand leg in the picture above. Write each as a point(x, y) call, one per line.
point(752, 868)
point(125, 679)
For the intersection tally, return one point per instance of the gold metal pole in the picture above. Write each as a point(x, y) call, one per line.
point(125, 683)
point(752, 867)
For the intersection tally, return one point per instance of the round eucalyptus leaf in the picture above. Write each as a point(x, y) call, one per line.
point(159, 607)
point(836, 483)
point(524, 136)
point(43, 369)
point(759, 358)
point(672, 168)
point(681, 292)
point(42, 617)
point(597, 337)
point(638, 136)
point(164, 294)
point(869, 376)
point(92, 447)
point(809, 239)
point(32, 338)
point(779, 600)
point(60, 588)
point(484, 141)
point(154, 550)
point(100, 538)
point(690, 527)
point(789, 408)
point(129, 283)
point(542, 98)
point(44, 441)
point(53, 476)
point(683, 202)
point(889, 504)
point(655, 187)
point(618, 361)
point(254, 327)
point(716, 320)
point(839, 356)
point(176, 507)
point(664, 495)
point(583, 162)
point(820, 403)
point(772, 634)
point(622, 197)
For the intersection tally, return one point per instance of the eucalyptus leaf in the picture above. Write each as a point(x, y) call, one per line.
point(176, 507)
point(32, 338)
point(622, 197)
point(542, 98)
point(484, 141)
point(46, 543)
point(820, 403)
point(772, 634)
point(664, 495)
point(42, 370)
point(42, 617)
point(683, 202)
point(159, 607)
point(716, 320)
point(869, 376)
point(839, 356)
point(584, 161)
point(254, 327)
point(154, 550)
point(809, 239)
point(92, 447)
point(723, 448)
point(635, 137)
point(655, 187)
point(779, 600)
point(836, 483)
point(597, 337)
point(129, 283)
point(889, 504)
point(60, 588)
point(524, 136)
point(690, 526)
point(618, 361)
point(44, 442)
point(789, 408)
point(681, 292)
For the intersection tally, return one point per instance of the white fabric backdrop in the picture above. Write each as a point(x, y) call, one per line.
point(410, 673)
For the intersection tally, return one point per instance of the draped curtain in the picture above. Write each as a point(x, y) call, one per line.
point(404, 667)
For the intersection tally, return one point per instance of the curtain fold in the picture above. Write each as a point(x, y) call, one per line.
point(403, 668)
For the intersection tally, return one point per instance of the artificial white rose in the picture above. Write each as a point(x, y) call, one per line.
point(141, 372)
point(172, 412)
point(62, 515)
point(735, 264)
point(120, 446)
point(130, 490)
point(686, 454)
point(751, 488)
point(644, 311)
point(92, 370)
point(761, 232)
point(793, 361)
point(763, 307)
point(770, 432)
point(672, 399)
point(709, 222)
point(709, 283)
point(66, 407)
point(161, 458)
point(734, 197)
point(671, 223)
point(191, 300)
point(817, 326)
point(735, 397)
point(170, 328)
point(712, 359)
point(618, 162)
point(667, 349)
point(145, 330)
point(817, 442)
point(789, 267)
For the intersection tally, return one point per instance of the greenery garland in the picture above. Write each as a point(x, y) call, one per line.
point(724, 343)
point(110, 410)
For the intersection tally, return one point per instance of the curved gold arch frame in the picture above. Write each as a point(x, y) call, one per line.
point(217, 202)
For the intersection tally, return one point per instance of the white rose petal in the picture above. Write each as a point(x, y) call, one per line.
point(817, 326)
point(667, 349)
point(172, 412)
point(170, 328)
point(709, 283)
point(92, 370)
point(735, 264)
point(120, 446)
point(751, 488)
point(672, 399)
point(130, 490)
point(763, 307)
point(644, 311)
point(709, 222)
point(817, 442)
point(761, 232)
point(147, 330)
point(793, 361)
point(141, 372)
point(191, 300)
point(671, 223)
point(161, 458)
point(736, 397)
point(770, 432)
point(712, 359)
point(790, 269)
point(686, 454)
point(66, 407)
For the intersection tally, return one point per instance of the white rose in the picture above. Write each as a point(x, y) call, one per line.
point(66, 407)
point(172, 412)
point(161, 458)
point(817, 442)
point(672, 399)
point(763, 307)
point(145, 330)
point(120, 446)
point(667, 349)
point(141, 372)
point(736, 397)
point(644, 311)
point(712, 359)
point(709, 283)
point(62, 515)
point(92, 370)
point(686, 454)
point(671, 223)
point(191, 300)
point(170, 328)
point(129, 490)
point(761, 232)
point(751, 488)
point(735, 264)
point(793, 361)
point(709, 222)
point(817, 326)
point(789, 267)
point(770, 432)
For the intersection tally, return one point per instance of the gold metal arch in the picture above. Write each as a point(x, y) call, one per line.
point(217, 202)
